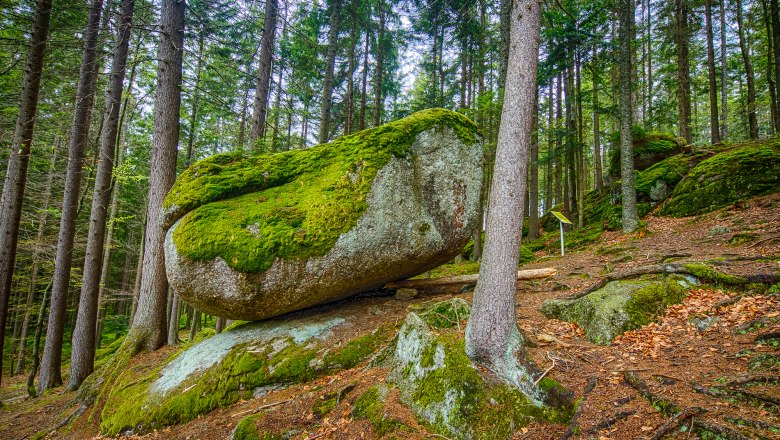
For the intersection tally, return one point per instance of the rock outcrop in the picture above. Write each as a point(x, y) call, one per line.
point(252, 238)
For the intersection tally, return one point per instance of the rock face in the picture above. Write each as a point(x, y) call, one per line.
point(619, 306)
point(252, 238)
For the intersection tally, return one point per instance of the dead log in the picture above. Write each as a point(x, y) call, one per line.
point(676, 421)
point(574, 424)
point(610, 421)
point(529, 274)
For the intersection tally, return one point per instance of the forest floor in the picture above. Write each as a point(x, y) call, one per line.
point(671, 357)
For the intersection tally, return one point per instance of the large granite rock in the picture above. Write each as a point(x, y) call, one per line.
point(252, 238)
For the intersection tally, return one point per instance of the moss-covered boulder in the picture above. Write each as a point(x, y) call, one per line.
point(256, 237)
point(649, 149)
point(236, 364)
point(619, 306)
point(746, 171)
point(444, 389)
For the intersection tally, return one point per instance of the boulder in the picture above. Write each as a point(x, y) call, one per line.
point(619, 306)
point(242, 362)
point(255, 237)
point(649, 149)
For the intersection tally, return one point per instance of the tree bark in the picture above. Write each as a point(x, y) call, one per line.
point(36, 258)
point(773, 105)
point(774, 8)
point(629, 214)
point(596, 120)
point(681, 37)
point(327, 92)
point(724, 75)
point(173, 321)
point(750, 77)
point(264, 72)
point(492, 336)
point(350, 98)
point(714, 119)
point(85, 95)
point(380, 56)
point(363, 82)
point(533, 185)
point(19, 159)
point(195, 101)
point(149, 326)
point(83, 351)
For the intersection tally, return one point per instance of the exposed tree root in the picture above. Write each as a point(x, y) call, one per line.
point(676, 420)
point(676, 268)
point(766, 337)
point(755, 424)
point(759, 400)
point(751, 380)
point(665, 406)
point(604, 424)
point(701, 426)
point(574, 424)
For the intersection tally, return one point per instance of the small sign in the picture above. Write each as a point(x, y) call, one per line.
point(561, 217)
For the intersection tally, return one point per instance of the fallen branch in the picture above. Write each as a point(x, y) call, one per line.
point(539, 379)
point(730, 434)
point(761, 379)
point(529, 274)
point(667, 407)
point(755, 424)
point(676, 421)
point(260, 408)
point(610, 421)
point(574, 424)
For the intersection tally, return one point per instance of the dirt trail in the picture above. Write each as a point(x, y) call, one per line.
point(692, 369)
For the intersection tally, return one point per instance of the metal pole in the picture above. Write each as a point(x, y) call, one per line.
point(563, 252)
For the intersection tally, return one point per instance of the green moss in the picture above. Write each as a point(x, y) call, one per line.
point(745, 171)
point(705, 272)
point(246, 429)
point(649, 148)
point(443, 314)
point(742, 238)
point(670, 171)
point(650, 301)
point(295, 204)
point(371, 406)
point(131, 406)
point(453, 269)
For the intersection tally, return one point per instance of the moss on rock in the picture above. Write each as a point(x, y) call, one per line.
point(371, 406)
point(140, 405)
point(649, 148)
point(295, 204)
point(619, 306)
point(746, 171)
point(446, 392)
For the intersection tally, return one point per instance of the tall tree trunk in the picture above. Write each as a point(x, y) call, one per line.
point(559, 140)
point(548, 193)
point(19, 159)
point(327, 92)
point(149, 326)
point(628, 192)
point(52, 352)
point(264, 71)
point(195, 101)
point(492, 336)
point(596, 122)
point(774, 9)
point(380, 56)
point(773, 105)
point(350, 98)
point(714, 120)
point(364, 80)
point(36, 258)
point(649, 67)
point(505, 11)
point(681, 38)
point(580, 144)
point(37, 343)
point(83, 351)
point(173, 321)
point(724, 75)
point(751, 89)
point(533, 175)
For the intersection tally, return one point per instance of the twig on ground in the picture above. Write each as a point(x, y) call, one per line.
point(539, 379)
point(574, 424)
point(260, 408)
point(676, 421)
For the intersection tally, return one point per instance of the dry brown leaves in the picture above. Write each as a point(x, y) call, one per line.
point(700, 303)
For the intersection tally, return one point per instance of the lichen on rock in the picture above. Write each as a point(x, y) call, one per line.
point(256, 237)
point(619, 306)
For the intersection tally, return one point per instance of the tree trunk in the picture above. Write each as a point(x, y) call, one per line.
point(714, 120)
point(36, 258)
point(492, 336)
point(533, 185)
point(380, 56)
point(350, 98)
point(649, 67)
point(264, 71)
point(773, 105)
point(724, 99)
point(173, 321)
point(327, 92)
point(37, 343)
point(774, 8)
point(364, 80)
point(83, 352)
point(750, 78)
point(681, 38)
point(505, 11)
point(19, 159)
point(52, 353)
point(149, 326)
point(219, 325)
point(195, 324)
point(630, 216)
point(548, 193)
point(596, 125)
point(195, 101)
